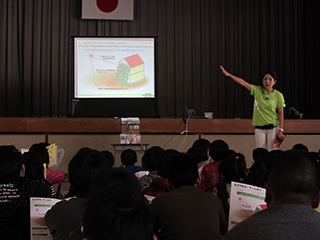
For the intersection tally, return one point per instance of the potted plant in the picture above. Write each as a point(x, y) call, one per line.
point(294, 113)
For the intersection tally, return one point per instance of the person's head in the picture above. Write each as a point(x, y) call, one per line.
point(273, 154)
point(300, 146)
point(128, 157)
point(117, 208)
point(33, 165)
point(42, 151)
point(109, 156)
point(200, 149)
point(10, 164)
point(294, 177)
point(269, 79)
point(242, 165)
point(150, 158)
point(83, 167)
point(181, 170)
point(229, 170)
point(258, 172)
point(218, 150)
point(163, 157)
point(258, 153)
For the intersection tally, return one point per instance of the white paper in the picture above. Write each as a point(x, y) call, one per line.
point(38, 226)
point(245, 200)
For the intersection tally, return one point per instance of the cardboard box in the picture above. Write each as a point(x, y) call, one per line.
point(130, 138)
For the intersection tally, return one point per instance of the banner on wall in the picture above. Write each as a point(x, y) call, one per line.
point(108, 9)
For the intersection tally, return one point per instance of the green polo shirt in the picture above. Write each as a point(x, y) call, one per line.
point(265, 106)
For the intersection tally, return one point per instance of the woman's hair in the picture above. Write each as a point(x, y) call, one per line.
point(272, 74)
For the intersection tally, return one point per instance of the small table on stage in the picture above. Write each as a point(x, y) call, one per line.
point(135, 147)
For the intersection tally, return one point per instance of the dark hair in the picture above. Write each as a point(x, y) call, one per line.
point(42, 151)
point(259, 171)
point(300, 146)
point(218, 150)
point(229, 170)
point(117, 208)
point(258, 153)
point(271, 73)
point(242, 165)
point(182, 170)
point(109, 156)
point(128, 157)
point(295, 174)
point(33, 165)
point(10, 164)
point(200, 149)
point(150, 158)
point(273, 154)
point(83, 167)
point(163, 157)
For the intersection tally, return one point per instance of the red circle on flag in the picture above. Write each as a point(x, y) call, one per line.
point(107, 6)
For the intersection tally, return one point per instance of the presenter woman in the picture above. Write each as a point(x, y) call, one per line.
point(267, 111)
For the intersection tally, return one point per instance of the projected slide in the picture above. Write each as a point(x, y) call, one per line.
point(114, 68)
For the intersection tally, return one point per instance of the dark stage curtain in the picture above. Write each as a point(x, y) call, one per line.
point(194, 37)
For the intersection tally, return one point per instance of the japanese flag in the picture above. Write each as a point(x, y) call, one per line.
point(107, 9)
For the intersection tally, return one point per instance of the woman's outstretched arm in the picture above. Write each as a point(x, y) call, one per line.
point(236, 79)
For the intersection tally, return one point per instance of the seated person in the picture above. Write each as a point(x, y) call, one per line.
point(53, 177)
point(15, 193)
point(218, 150)
point(199, 150)
point(34, 169)
point(229, 170)
point(300, 146)
point(292, 191)
point(109, 156)
point(128, 159)
point(149, 161)
point(66, 215)
point(158, 185)
point(117, 209)
point(187, 212)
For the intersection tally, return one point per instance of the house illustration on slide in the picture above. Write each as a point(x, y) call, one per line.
point(130, 70)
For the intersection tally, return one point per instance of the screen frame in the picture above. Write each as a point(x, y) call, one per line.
point(145, 107)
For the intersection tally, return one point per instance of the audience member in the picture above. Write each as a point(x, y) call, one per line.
point(34, 169)
point(291, 192)
point(187, 212)
point(229, 170)
point(200, 150)
point(150, 161)
point(218, 150)
point(273, 154)
point(52, 176)
point(109, 156)
point(159, 185)
point(15, 193)
point(66, 215)
point(300, 146)
point(117, 209)
point(242, 165)
point(258, 153)
point(258, 172)
point(128, 159)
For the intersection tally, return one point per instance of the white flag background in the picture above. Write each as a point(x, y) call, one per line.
point(108, 9)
